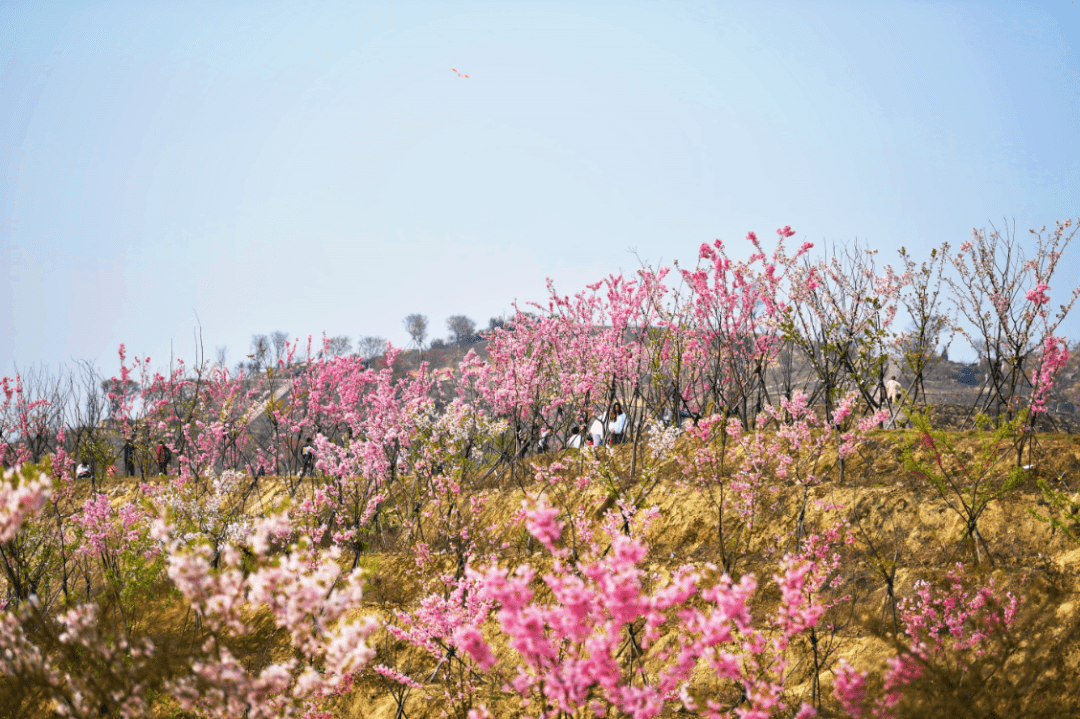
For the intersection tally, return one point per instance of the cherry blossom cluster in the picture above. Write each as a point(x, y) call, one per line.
point(21, 497)
point(949, 625)
point(595, 641)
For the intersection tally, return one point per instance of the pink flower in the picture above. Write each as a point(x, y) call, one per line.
point(19, 503)
point(472, 642)
point(1038, 295)
point(542, 521)
point(850, 689)
point(1055, 355)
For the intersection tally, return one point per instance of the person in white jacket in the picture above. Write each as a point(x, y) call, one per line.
point(596, 430)
point(616, 424)
point(894, 391)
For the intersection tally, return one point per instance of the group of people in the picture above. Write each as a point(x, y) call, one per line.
point(613, 432)
point(599, 433)
point(163, 455)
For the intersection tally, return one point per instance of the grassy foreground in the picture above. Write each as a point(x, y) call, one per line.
point(897, 528)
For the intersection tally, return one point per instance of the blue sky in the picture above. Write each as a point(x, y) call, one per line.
point(316, 166)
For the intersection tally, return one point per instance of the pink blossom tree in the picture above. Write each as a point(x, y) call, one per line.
point(1001, 289)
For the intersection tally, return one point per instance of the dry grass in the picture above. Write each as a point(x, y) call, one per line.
point(892, 515)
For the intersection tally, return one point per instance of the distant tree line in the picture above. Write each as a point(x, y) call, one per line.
point(273, 350)
point(462, 331)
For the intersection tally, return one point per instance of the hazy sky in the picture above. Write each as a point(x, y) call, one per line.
point(317, 166)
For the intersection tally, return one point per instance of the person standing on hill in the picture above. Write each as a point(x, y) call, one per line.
point(307, 459)
point(616, 424)
point(164, 456)
point(894, 394)
point(596, 432)
point(894, 391)
point(129, 458)
point(544, 443)
point(575, 438)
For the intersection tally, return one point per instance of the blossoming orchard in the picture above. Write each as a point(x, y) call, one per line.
point(769, 532)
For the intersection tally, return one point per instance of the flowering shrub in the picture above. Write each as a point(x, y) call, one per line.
point(83, 662)
point(306, 598)
point(967, 485)
point(955, 635)
point(20, 498)
point(213, 512)
point(596, 643)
